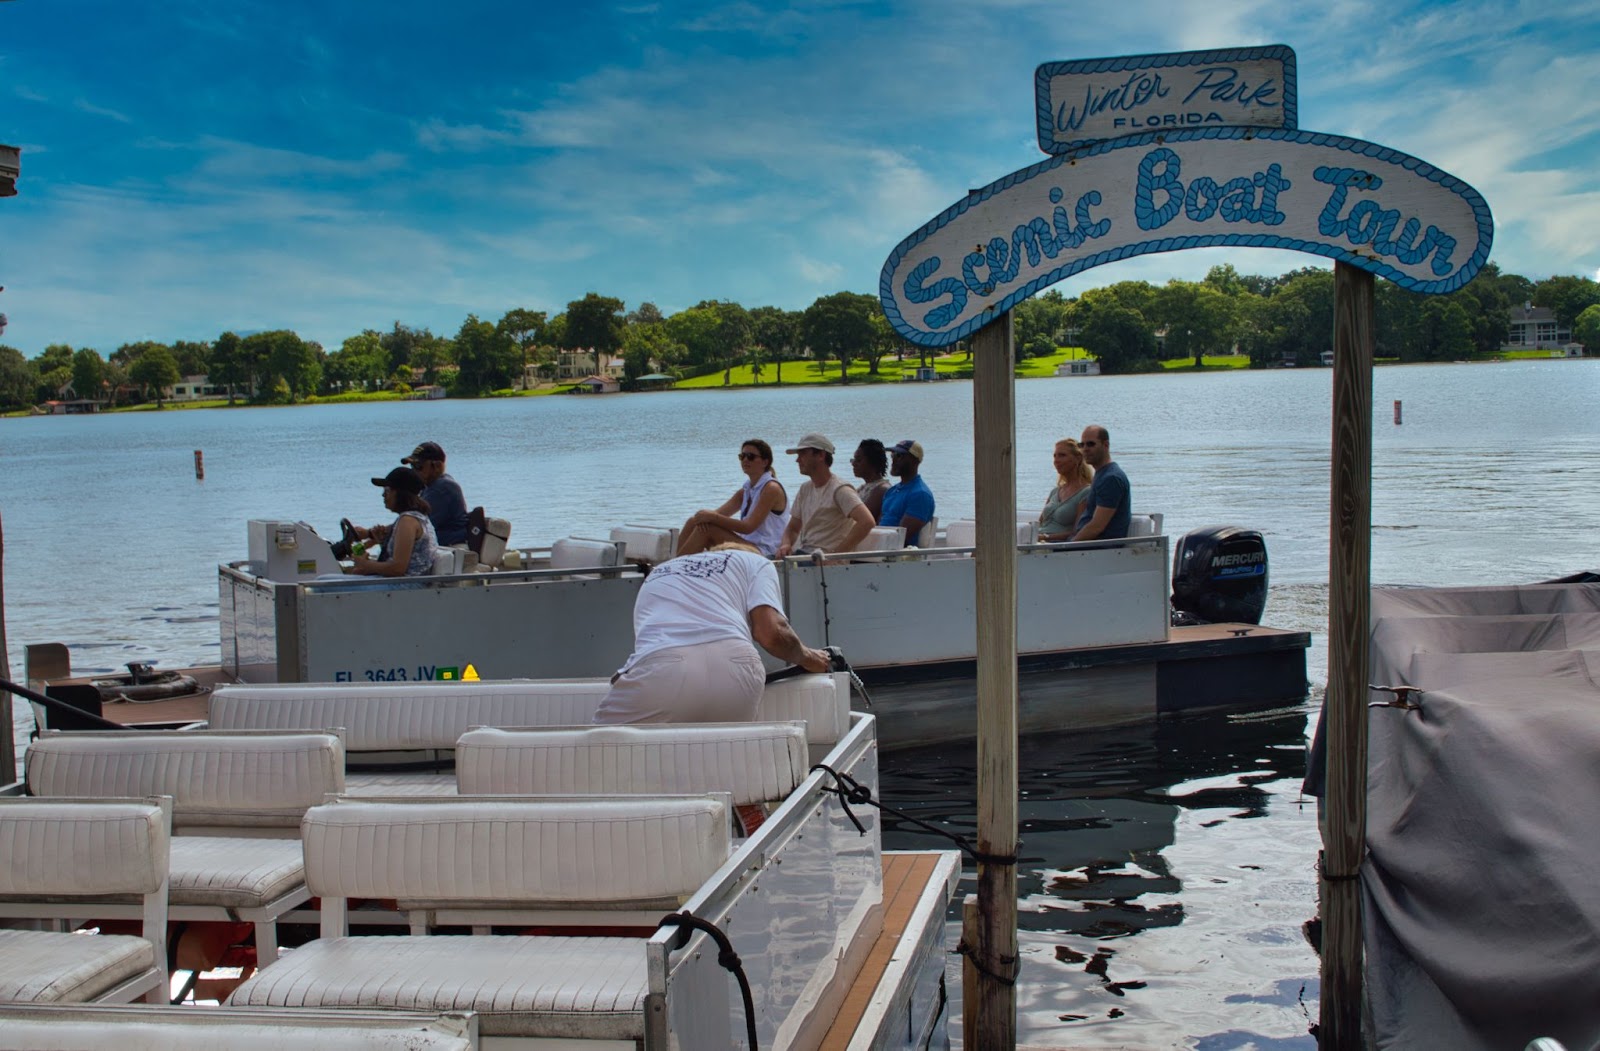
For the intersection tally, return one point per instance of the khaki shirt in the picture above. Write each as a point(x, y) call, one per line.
point(824, 514)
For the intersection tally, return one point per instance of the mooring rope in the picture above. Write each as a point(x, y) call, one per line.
point(849, 791)
point(687, 923)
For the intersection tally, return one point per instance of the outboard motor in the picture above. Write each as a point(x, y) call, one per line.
point(1219, 574)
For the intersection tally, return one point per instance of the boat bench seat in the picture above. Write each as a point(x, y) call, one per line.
point(485, 861)
point(59, 858)
point(753, 762)
point(649, 545)
point(99, 1027)
point(238, 799)
point(388, 717)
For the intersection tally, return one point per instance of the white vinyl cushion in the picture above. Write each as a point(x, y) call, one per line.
point(142, 1027)
point(521, 986)
point(646, 543)
point(214, 778)
point(45, 967)
point(233, 873)
point(755, 762)
point(573, 552)
point(513, 851)
point(406, 716)
point(69, 849)
point(822, 702)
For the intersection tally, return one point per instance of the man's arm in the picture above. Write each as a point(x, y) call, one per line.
point(1096, 525)
point(791, 533)
point(771, 629)
point(861, 524)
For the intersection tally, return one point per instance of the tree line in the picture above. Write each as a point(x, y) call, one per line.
point(1128, 326)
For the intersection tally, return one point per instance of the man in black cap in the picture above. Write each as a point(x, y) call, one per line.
point(444, 496)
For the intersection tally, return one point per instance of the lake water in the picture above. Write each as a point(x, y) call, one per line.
point(1167, 870)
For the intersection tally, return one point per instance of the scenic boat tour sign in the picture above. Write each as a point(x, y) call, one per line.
point(1103, 98)
point(1192, 187)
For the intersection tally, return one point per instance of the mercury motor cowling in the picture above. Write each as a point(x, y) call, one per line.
point(1219, 575)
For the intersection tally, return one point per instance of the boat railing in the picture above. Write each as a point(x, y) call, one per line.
point(807, 860)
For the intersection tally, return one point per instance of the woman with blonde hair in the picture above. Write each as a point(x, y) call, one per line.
point(1059, 519)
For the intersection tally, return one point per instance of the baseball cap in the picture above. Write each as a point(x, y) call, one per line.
point(425, 451)
point(812, 441)
point(908, 446)
point(403, 479)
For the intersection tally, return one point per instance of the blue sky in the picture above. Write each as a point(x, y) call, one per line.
point(190, 167)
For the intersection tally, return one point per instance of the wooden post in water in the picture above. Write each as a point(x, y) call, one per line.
point(1344, 830)
point(993, 1023)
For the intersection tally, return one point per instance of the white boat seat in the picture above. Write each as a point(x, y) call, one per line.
point(448, 561)
point(511, 852)
point(238, 799)
point(232, 873)
point(99, 1027)
point(1144, 525)
point(378, 717)
point(406, 716)
point(519, 986)
point(928, 535)
point(574, 552)
point(963, 532)
point(44, 967)
point(492, 546)
point(473, 857)
point(648, 544)
point(884, 538)
point(754, 762)
point(217, 781)
point(56, 858)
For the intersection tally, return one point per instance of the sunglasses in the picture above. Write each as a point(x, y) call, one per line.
point(749, 456)
point(1087, 445)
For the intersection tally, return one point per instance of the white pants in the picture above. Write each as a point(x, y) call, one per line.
point(712, 682)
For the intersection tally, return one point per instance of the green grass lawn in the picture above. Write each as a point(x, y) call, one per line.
point(1212, 361)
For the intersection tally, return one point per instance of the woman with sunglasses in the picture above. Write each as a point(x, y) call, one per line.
point(409, 544)
point(1059, 519)
point(761, 504)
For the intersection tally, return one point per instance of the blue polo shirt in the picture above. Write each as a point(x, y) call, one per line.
point(912, 498)
point(1109, 489)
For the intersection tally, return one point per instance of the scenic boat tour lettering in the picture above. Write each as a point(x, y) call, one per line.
point(1328, 195)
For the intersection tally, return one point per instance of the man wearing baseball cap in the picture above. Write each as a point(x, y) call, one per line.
point(827, 515)
point(910, 503)
point(444, 496)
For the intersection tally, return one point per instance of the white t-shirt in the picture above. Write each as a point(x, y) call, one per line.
point(702, 598)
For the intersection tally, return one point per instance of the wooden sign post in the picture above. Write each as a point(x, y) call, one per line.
point(1159, 153)
point(992, 946)
point(1349, 639)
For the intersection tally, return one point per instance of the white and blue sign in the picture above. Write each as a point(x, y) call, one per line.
point(1336, 197)
point(1106, 98)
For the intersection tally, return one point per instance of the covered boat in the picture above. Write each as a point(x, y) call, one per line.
point(1480, 902)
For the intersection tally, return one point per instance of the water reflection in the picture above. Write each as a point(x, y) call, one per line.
point(1153, 902)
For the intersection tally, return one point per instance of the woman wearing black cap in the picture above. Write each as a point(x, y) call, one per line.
point(409, 544)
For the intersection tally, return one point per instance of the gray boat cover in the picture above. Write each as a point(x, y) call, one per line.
point(1481, 888)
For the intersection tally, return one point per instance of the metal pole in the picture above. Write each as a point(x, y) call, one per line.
point(1344, 830)
point(994, 421)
